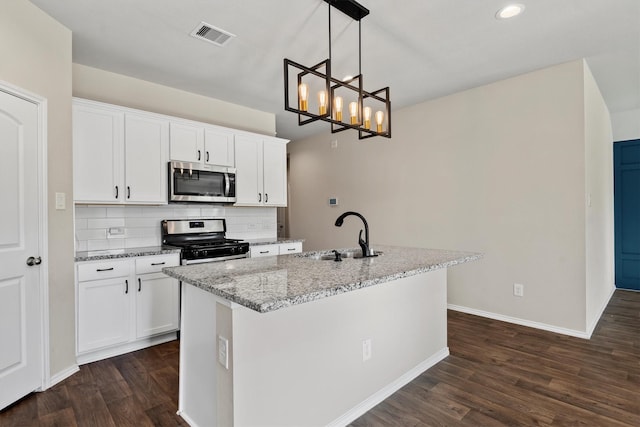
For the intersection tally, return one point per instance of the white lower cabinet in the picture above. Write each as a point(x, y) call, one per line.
point(103, 313)
point(125, 305)
point(264, 250)
point(275, 249)
point(290, 248)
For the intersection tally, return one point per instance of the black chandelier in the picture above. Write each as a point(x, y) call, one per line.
point(333, 91)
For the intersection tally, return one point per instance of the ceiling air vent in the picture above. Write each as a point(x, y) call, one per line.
point(211, 34)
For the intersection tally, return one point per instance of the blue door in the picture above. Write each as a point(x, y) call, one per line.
point(626, 160)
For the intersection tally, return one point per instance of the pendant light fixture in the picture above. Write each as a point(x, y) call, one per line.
point(334, 94)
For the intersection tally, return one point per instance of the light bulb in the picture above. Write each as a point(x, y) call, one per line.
point(338, 107)
point(322, 102)
point(379, 120)
point(353, 112)
point(303, 96)
point(367, 117)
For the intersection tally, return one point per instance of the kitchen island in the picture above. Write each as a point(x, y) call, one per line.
point(302, 340)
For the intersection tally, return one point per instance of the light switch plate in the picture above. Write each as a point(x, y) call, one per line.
point(61, 201)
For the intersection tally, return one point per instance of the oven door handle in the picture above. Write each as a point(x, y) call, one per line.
point(227, 185)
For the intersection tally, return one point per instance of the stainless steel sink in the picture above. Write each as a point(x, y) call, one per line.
point(330, 256)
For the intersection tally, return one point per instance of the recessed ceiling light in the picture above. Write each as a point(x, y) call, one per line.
point(510, 11)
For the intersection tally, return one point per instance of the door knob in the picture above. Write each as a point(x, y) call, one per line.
point(31, 261)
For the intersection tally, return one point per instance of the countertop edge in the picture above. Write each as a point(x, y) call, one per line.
point(318, 295)
point(83, 256)
point(278, 241)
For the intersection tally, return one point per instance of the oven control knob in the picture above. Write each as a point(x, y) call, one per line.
point(233, 250)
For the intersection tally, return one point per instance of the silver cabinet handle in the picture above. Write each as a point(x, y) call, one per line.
point(206, 159)
point(128, 192)
point(291, 249)
point(199, 155)
point(264, 252)
point(139, 284)
point(158, 263)
point(104, 269)
point(126, 286)
point(31, 261)
point(259, 197)
point(266, 198)
point(117, 193)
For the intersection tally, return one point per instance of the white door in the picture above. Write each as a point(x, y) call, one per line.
point(21, 368)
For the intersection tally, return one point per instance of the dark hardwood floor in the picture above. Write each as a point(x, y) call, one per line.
point(135, 389)
point(498, 374)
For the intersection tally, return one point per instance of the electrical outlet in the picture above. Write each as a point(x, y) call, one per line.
point(518, 289)
point(334, 143)
point(223, 351)
point(366, 349)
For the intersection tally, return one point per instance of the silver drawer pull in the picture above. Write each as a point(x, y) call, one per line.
point(104, 269)
point(264, 252)
point(158, 263)
point(291, 249)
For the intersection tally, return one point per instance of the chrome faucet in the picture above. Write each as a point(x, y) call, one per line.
point(364, 244)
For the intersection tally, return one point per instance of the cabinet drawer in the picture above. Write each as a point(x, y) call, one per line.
point(264, 250)
point(102, 270)
point(155, 264)
point(290, 248)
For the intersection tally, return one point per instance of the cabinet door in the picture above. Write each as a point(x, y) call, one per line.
point(186, 143)
point(275, 173)
point(290, 248)
point(104, 313)
point(218, 147)
point(264, 250)
point(248, 171)
point(97, 154)
point(146, 149)
point(157, 304)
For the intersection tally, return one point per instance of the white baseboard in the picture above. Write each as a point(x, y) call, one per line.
point(365, 406)
point(186, 418)
point(95, 355)
point(518, 321)
point(62, 375)
point(594, 322)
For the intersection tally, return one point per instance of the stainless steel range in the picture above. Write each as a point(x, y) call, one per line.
point(202, 240)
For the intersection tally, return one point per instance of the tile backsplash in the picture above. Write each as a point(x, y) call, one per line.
point(115, 227)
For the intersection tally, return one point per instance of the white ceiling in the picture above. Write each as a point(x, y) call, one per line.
point(422, 49)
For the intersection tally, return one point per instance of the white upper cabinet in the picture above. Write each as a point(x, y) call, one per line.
point(186, 143)
point(119, 155)
point(97, 153)
point(199, 143)
point(274, 170)
point(146, 148)
point(219, 147)
point(261, 176)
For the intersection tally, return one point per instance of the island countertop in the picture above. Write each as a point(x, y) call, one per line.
point(271, 283)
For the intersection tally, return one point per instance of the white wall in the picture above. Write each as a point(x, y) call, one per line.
point(100, 85)
point(498, 169)
point(141, 224)
point(626, 125)
point(599, 201)
point(36, 56)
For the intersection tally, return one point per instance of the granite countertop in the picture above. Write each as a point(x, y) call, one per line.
point(271, 283)
point(124, 253)
point(268, 241)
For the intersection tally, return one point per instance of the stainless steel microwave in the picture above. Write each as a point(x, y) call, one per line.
point(198, 183)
